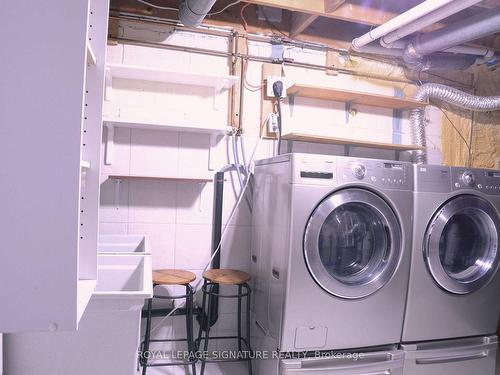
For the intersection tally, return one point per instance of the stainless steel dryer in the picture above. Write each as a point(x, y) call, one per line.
point(454, 285)
point(331, 251)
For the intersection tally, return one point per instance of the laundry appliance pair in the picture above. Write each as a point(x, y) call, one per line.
point(352, 257)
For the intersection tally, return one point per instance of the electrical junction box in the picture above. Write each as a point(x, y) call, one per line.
point(269, 86)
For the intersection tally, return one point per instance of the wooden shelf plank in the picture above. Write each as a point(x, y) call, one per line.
point(91, 59)
point(355, 97)
point(192, 128)
point(141, 73)
point(349, 142)
point(165, 178)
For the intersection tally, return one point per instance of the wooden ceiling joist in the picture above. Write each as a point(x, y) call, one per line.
point(353, 11)
point(300, 21)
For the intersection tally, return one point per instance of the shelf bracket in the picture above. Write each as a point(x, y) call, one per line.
point(291, 103)
point(108, 85)
point(217, 98)
point(211, 150)
point(117, 182)
point(109, 151)
point(348, 110)
point(347, 149)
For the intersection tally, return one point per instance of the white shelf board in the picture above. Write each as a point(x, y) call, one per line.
point(91, 59)
point(139, 73)
point(85, 290)
point(165, 178)
point(193, 128)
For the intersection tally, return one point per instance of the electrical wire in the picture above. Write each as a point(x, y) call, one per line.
point(457, 130)
point(156, 6)
point(278, 106)
point(244, 61)
point(225, 8)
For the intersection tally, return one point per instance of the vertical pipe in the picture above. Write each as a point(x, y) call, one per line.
point(216, 240)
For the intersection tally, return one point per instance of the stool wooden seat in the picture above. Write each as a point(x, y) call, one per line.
point(173, 277)
point(226, 276)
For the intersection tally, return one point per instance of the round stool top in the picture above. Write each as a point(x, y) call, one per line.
point(173, 277)
point(227, 277)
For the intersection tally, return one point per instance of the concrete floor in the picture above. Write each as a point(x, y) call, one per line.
point(211, 369)
point(234, 369)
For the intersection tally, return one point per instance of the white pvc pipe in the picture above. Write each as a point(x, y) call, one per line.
point(431, 18)
point(403, 19)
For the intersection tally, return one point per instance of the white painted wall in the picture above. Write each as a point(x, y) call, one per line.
point(177, 216)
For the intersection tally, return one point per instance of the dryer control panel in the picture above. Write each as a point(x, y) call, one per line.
point(484, 180)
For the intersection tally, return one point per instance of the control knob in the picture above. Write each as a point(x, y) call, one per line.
point(359, 171)
point(468, 178)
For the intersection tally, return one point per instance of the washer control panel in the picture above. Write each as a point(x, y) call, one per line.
point(384, 174)
point(333, 170)
point(487, 181)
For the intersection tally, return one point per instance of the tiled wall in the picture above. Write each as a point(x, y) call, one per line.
point(177, 216)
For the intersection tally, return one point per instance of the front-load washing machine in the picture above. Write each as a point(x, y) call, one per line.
point(330, 253)
point(454, 281)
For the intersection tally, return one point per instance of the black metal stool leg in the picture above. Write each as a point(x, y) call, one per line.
point(189, 326)
point(248, 329)
point(207, 331)
point(239, 317)
point(202, 317)
point(145, 347)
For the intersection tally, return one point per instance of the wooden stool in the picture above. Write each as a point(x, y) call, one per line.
point(171, 277)
point(214, 278)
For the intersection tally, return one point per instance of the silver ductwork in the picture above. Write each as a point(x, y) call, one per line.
point(451, 96)
point(478, 26)
point(193, 12)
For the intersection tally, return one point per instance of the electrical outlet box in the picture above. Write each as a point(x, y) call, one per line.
point(269, 86)
point(272, 123)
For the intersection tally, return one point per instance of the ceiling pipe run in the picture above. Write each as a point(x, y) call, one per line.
point(427, 20)
point(403, 19)
point(478, 26)
point(193, 12)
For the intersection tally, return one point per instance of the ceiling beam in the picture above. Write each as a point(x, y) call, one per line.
point(372, 13)
point(299, 22)
point(332, 5)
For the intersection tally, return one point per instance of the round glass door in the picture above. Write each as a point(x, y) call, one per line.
point(352, 243)
point(461, 244)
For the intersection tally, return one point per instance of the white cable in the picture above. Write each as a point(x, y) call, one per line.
point(223, 9)
point(223, 234)
point(156, 6)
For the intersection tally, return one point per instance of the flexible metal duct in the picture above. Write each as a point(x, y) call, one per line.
point(193, 12)
point(449, 95)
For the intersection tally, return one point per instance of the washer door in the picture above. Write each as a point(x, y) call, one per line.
point(461, 244)
point(352, 243)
